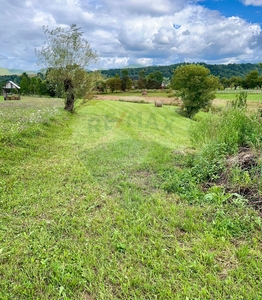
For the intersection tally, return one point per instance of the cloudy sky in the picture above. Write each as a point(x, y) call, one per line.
point(145, 32)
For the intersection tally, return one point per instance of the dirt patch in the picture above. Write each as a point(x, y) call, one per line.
point(139, 99)
point(247, 180)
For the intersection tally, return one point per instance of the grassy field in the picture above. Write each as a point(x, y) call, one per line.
point(222, 97)
point(86, 211)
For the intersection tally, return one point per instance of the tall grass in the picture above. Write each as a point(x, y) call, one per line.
point(217, 136)
point(232, 128)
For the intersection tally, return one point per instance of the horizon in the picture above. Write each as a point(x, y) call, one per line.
point(125, 67)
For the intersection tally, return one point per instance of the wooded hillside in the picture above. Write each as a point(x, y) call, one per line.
point(227, 71)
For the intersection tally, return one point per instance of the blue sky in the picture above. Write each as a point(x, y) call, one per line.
point(144, 32)
point(229, 8)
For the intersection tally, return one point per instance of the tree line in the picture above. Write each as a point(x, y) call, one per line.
point(124, 82)
point(221, 71)
point(32, 85)
point(39, 84)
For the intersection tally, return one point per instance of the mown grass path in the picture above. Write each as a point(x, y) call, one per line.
point(83, 214)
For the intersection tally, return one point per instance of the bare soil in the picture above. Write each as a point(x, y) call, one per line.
point(139, 99)
point(247, 160)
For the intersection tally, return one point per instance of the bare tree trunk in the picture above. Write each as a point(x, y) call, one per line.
point(70, 97)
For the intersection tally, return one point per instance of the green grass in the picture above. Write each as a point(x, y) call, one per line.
point(150, 93)
point(253, 95)
point(85, 211)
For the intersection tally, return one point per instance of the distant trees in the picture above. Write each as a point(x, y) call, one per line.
point(114, 83)
point(154, 80)
point(36, 85)
point(41, 84)
point(126, 81)
point(220, 70)
point(5, 78)
point(196, 87)
point(251, 80)
point(66, 53)
point(141, 83)
point(24, 84)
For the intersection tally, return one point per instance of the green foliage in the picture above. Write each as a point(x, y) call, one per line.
point(236, 81)
point(232, 128)
point(182, 183)
point(154, 80)
point(209, 163)
point(4, 79)
point(114, 84)
point(126, 81)
point(195, 86)
point(24, 84)
point(66, 54)
point(226, 71)
point(251, 80)
point(101, 86)
point(240, 102)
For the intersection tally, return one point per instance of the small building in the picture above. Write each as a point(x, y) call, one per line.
point(11, 91)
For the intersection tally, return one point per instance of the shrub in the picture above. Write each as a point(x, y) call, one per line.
point(219, 135)
point(196, 87)
point(232, 127)
point(240, 102)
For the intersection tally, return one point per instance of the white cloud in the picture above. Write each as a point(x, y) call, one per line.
point(112, 62)
point(134, 31)
point(252, 2)
point(145, 7)
point(144, 61)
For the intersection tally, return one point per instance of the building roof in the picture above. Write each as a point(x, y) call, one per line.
point(11, 85)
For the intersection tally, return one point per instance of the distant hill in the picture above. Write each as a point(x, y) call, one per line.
point(19, 72)
point(4, 71)
point(134, 66)
point(227, 71)
point(220, 70)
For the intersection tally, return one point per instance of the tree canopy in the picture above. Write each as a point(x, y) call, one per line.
point(67, 54)
point(221, 70)
point(195, 86)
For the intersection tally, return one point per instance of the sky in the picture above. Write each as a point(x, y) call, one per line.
point(144, 32)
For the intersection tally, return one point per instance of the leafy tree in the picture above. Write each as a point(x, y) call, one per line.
point(38, 86)
point(124, 73)
point(66, 53)
point(114, 84)
point(196, 87)
point(251, 80)
point(141, 83)
point(126, 81)
point(154, 80)
point(33, 86)
point(225, 82)
point(142, 74)
point(259, 82)
point(129, 83)
point(101, 86)
point(25, 84)
point(236, 81)
point(110, 83)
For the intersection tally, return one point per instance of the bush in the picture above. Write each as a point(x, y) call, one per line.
point(220, 135)
point(240, 102)
point(232, 127)
point(195, 86)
